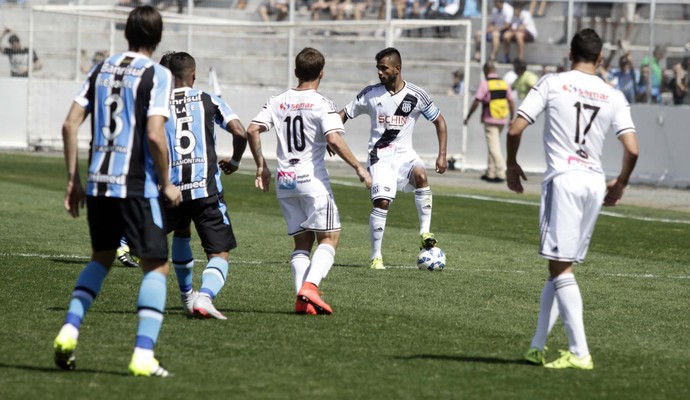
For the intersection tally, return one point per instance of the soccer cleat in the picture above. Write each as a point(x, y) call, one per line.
point(570, 360)
point(147, 366)
point(203, 308)
point(376, 263)
point(64, 346)
point(303, 307)
point(188, 300)
point(126, 258)
point(309, 294)
point(427, 240)
point(535, 356)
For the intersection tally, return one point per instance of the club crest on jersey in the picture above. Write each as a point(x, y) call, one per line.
point(287, 180)
point(406, 106)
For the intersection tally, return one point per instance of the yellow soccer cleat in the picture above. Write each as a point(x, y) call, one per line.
point(427, 240)
point(570, 360)
point(376, 263)
point(64, 346)
point(147, 366)
point(535, 356)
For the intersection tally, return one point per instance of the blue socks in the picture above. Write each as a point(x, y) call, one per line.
point(150, 308)
point(213, 277)
point(85, 291)
point(183, 262)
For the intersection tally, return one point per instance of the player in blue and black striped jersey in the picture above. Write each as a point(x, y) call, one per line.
point(128, 96)
point(195, 169)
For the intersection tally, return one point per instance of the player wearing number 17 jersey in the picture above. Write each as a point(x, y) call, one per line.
point(194, 169)
point(393, 107)
point(305, 123)
point(580, 109)
point(128, 96)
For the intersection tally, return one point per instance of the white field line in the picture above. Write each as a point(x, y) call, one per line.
point(533, 203)
point(240, 262)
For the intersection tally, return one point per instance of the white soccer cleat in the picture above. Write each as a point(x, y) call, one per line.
point(203, 308)
point(188, 300)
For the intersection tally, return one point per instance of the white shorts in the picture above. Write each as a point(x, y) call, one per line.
point(389, 176)
point(310, 213)
point(570, 205)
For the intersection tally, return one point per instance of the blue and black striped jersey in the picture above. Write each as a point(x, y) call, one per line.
point(192, 141)
point(121, 93)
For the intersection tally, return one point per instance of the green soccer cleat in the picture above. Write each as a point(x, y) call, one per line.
point(376, 263)
point(427, 240)
point(64, 346)
point(570, 360)
point(126, 257)
point(535, 356)
point(147, 366)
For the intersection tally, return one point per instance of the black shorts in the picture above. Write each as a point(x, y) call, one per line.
point(210, 216)
point(140, 220)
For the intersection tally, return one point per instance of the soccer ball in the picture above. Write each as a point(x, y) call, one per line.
point(431, 259)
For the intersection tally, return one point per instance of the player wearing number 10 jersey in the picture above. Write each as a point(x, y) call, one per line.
point(580, 110)
point(305, 123)
point(194, 169)
point(128, 96)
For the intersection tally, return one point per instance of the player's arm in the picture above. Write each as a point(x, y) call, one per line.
point(340, 147)
point(343, 115)
point(616, 187)
point(239, 145)
point(74, 195)
point(442, 134)
point(158, 147)
point(514, 171)
point(263, 174)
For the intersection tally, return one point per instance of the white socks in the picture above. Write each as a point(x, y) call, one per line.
point(548, 314)
point(321, 263)
point(423, 201)
point(299, 263)
point(377, 225)
point(570, 307)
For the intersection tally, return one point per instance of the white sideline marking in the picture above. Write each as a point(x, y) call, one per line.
point(447, 270)
point(532, 203)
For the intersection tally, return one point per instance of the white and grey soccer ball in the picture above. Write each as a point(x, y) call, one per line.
point(431, 259)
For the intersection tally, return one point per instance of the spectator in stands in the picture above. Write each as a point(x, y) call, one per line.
point(656, 71)
point(540, 12)
point(320, 5)
point(499, 23)
point(18, 55)
point(679, 83)
point(641, 95)
point(600, 12)
point(525, 79)
point(241, 4)
point(626, 77)
point(353, 9)
point(522, 30)
point(458, 83)
point(623, 13)
point(279, 8)
point(98, 56)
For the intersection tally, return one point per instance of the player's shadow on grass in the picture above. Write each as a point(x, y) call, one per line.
point(35, 368)
point(462, 358)
point(69, 261)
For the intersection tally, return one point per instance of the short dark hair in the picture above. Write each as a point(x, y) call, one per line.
point(180, 64)
point(144, 28)
point(13, 39)
point(389, 52)
point(586, 46)
point(308, 64)
point(519, 65)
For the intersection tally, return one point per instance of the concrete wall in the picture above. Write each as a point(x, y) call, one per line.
point(662, 130)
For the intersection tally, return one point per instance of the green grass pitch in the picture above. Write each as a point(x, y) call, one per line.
point(395, 334)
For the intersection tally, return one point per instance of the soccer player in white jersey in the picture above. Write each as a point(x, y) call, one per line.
point(305, 123)
point(580, 110)
point(393, 107)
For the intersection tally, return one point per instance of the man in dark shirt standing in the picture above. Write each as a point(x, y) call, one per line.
point(19, 56)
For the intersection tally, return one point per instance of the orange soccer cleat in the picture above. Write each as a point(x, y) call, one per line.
point(309, 293)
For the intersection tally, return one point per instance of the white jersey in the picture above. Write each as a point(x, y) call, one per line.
point(580, 110)
point(392, 117)
point(302, 119)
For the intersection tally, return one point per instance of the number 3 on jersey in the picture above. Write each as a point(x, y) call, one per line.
point(180, 146)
